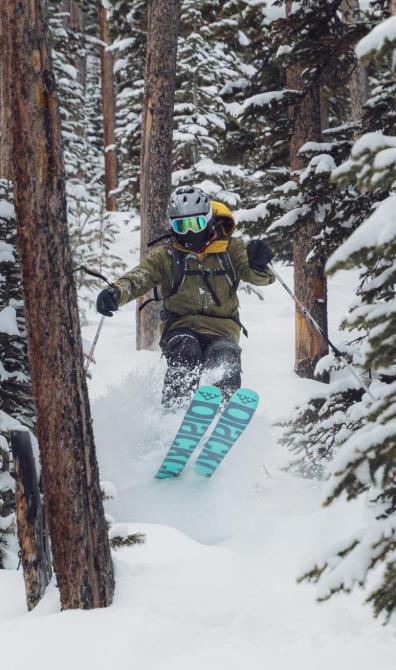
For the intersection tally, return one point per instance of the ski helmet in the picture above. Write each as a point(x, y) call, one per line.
point(190, 214)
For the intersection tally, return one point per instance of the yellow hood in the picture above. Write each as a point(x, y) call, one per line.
point(224, 232)
point(220, 210)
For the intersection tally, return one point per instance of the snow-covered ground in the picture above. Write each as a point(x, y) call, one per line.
point(214, 586)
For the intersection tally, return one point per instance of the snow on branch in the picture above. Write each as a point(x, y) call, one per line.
point(378, 230)
point(266, 99)
point(8, 321)
point(6, 253)
point(290, 218)
point(380, 38)
point(252, 215)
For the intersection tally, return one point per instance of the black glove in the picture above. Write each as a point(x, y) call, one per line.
point(259, 255)
point(108, 300)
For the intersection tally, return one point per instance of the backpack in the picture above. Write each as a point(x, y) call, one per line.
point(180, 271)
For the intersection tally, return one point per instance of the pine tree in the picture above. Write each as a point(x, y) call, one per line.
point(80, 547)
point(364, 461)
point(304, 434)
point(207, 67)
point(77, 70)
point(316, 429)
point(258, 125)
point(108, 109)
point(16, 403)
point(157, 141)
point(312, 46)
point(128, 29)
point(316, 37)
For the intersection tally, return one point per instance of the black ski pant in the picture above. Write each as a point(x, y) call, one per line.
point(193, 358)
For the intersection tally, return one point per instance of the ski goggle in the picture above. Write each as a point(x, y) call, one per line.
point(194, 223)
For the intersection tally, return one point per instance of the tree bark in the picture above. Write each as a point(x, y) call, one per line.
point(74, 20)
point(310, 283)
point(108, 111)
point(5, 166)
point(157, 141)
point(32, 536)
point(79, 538)
point(358, 85)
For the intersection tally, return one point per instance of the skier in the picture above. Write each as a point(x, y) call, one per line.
point(198, 274)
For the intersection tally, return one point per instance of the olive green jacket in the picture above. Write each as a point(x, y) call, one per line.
point(193, 301)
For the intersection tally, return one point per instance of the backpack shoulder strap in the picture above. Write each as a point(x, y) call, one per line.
point(178, 269)
point(178, 274)
point(226, 261)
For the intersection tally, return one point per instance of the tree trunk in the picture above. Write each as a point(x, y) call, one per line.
point(74, 20)
point(310, 283)
point(32, 536)
point(157, 140)
point(5, 167)
point(108, 111)
point(75, 12)
point(79, 538)
point(358, 85)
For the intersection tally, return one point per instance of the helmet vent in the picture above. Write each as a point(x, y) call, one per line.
point(188, 201)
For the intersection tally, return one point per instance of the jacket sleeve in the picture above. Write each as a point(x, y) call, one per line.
point(142, 278)
point(242, 268)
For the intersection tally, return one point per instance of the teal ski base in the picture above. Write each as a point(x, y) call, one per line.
point(199, 416)
point(235, 417)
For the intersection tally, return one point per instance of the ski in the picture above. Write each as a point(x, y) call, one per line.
point(235, 417)
point(199, 416)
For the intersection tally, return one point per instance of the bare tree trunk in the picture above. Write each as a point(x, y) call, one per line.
point(358, 84)
point(33, 541)
point(75, 21)
point(156, 159)
point(80, 545)
point(5, 167)
point(108, 110)
point(310, 283)
point(324, 111)
point(74, 9)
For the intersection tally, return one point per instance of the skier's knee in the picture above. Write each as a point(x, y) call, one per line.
point(222, 366)
point(182, 349)
point(224, 353)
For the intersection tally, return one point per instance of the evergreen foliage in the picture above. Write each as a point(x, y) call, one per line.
point(364, 459)
point(317, 39)
point(118, 534)
point(128, 28)
point(353, 195)
point(208, 66)
point(131, 540)
point(260, 122)
point(16, 404)
point(316, 429)
point(77, 71)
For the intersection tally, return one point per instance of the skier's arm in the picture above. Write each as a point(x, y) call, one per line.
point(142, 278)
point(243, 269)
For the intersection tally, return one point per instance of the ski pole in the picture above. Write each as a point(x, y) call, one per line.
point(94, 343)
point(320, 330)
